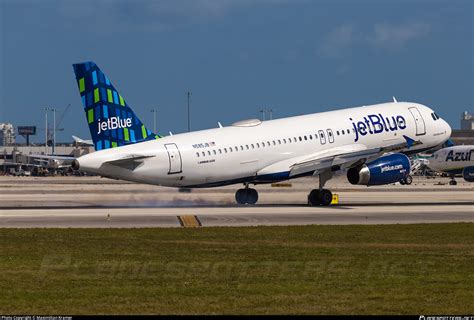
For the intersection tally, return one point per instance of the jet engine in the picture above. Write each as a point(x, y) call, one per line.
point(384, 170)
point(468, 174)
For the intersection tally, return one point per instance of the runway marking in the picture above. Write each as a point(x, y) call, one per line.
point(189, 221)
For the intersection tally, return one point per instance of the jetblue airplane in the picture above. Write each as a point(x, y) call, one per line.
point(370, 142)
point(454, 160)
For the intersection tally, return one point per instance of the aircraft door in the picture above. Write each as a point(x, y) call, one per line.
point(322, 137)
point(419, 122)
point(174, 157)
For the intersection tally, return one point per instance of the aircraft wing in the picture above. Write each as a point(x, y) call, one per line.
point(50, 157)
point(341, 157)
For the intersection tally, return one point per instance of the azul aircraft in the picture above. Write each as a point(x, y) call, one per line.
point(454, 160)
point(370, 142)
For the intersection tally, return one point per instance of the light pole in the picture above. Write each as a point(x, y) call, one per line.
point(154, 111)
point(46, 130)
point(54, 129)
point(189, 116)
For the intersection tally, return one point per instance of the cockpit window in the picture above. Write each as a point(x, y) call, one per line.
point(434, 116)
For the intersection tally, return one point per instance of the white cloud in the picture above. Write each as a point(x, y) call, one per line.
point(338, 41)
point(392, 36)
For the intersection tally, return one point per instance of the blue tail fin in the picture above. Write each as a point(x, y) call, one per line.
point(112, 122)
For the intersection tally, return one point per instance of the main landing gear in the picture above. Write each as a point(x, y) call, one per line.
point(320, 197)
point(246, 196)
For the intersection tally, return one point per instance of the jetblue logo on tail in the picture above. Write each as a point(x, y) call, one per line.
point(376, 123)
point(113, 123)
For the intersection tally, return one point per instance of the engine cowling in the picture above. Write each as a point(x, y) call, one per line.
point(468, 174)
point(384, 170)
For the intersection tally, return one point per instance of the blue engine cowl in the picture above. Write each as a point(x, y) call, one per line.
point(384, 170)
point(468, 174)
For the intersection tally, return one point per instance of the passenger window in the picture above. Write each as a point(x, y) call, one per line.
point(284, 141)
point(310, 137)
point(197, 154)
point(348, 132)
point(230, 149)
point(220, 151)
point(214, 151)
point(203, 154)
point(225, 150)
point(252, 146)
point(268, 143)
point(305, 138)
point(274, 143)
point(236, 149)
point(337, 132)
point(300, 139)
point(279, 141)
point(247, 146)
point(242, 148)
point(208, 152)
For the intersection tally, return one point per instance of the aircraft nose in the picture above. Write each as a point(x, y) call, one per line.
point(448, 129)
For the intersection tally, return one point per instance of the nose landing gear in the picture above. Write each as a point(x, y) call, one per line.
point(408, 180)
point(246, 196)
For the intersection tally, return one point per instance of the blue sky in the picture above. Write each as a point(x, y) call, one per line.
point(236, 57)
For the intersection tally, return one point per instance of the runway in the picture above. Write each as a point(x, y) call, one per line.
point(99, 203)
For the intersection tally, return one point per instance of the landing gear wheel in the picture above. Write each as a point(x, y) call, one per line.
point(453, 182)
point(241, 196)
point(325, 197)
point(252, 196)
point(320, 197)
point(402, 182)
point(313, 198)
point(408, 180)
point(246, 196)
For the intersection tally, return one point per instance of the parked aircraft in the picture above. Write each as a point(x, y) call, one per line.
point(456, 160)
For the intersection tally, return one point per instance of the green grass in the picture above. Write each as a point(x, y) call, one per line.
point(392, 269)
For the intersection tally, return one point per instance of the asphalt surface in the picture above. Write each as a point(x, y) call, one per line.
point(92, 202)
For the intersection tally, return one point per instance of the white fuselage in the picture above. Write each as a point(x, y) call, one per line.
point(246, 150)
point(452, 159)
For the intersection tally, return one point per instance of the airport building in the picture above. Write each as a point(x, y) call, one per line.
point(465, 135)
point(7, 134)
point(467, 121)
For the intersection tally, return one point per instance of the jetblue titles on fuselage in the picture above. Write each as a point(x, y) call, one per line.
point(459, 156)
point(377, 123)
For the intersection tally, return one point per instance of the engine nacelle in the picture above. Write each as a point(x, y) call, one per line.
point(468, 174)
point(384, 170)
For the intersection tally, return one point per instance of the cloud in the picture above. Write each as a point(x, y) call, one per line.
point(391, 36)
point(337, 41)
point(153, 15)
point(342, 40)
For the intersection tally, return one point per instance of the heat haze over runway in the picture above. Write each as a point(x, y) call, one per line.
point(93, 202)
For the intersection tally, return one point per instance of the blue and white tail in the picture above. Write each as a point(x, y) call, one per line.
point(112, 122)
